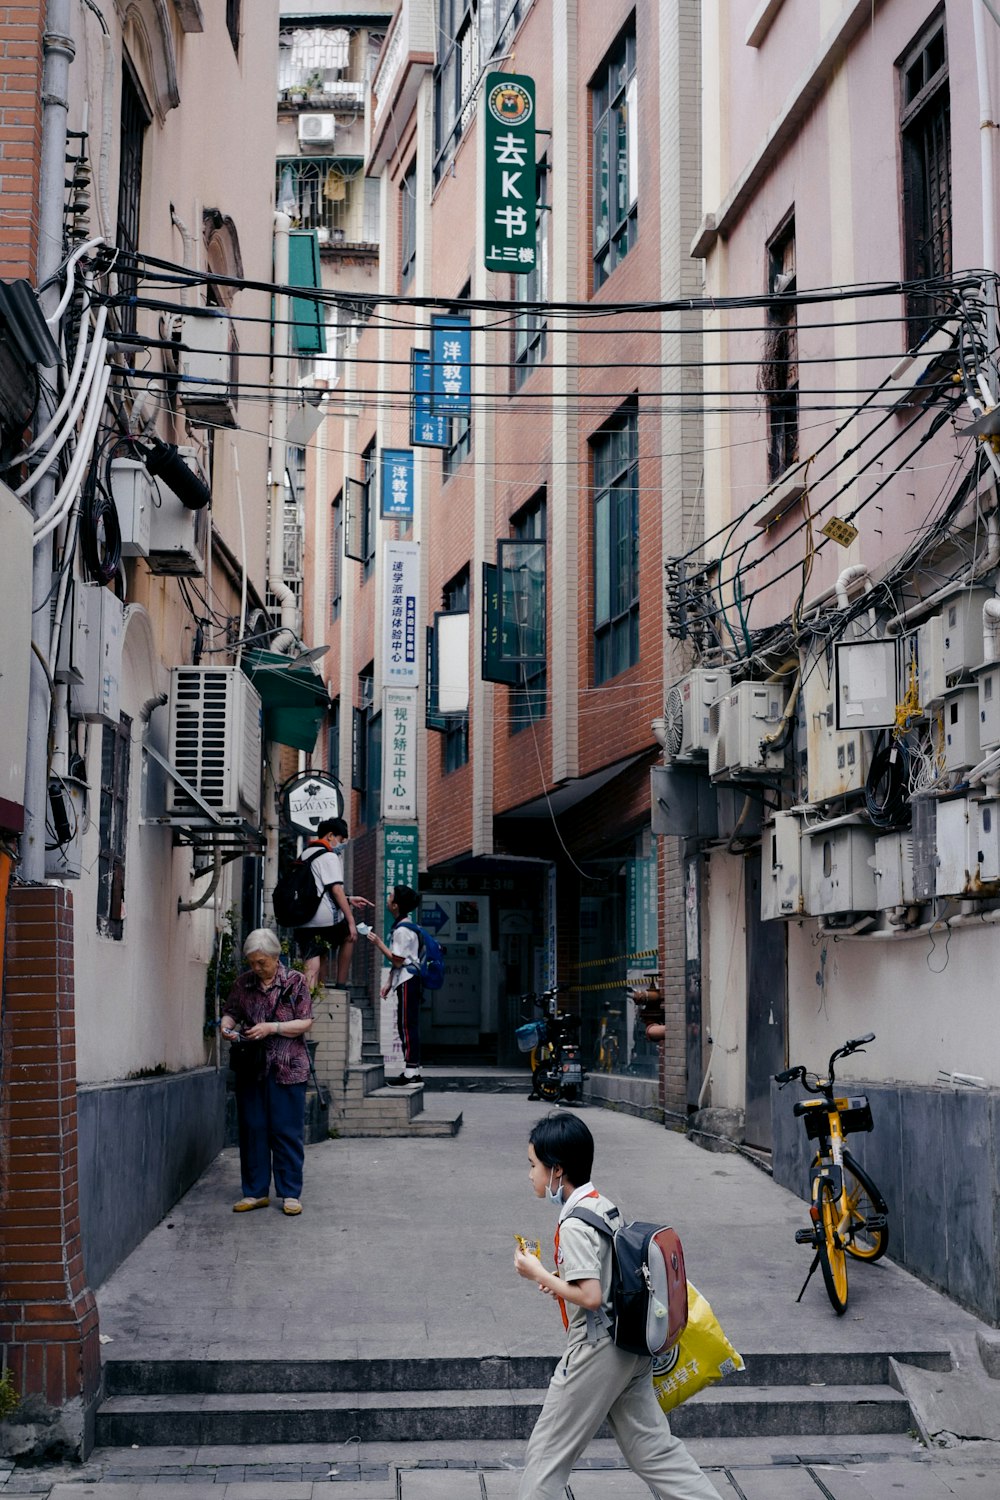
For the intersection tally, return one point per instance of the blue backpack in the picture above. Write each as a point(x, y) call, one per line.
point(429, 967)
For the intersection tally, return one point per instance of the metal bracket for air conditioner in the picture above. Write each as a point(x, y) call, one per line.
point(205, 829)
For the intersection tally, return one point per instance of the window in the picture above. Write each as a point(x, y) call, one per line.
point(455, 77)
point(530, 327)
point(233, 8)
point(368, 459)
point(336, 555)
point(615, 452)
point(408, 226)
point(925, 141)
point(116, 745)
point(135, 119)
point(616, 178)
point(527, 702)
point(367, 749)
point(455, 739)
point(778, 379)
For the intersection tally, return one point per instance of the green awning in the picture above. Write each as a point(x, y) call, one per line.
point(295, 698)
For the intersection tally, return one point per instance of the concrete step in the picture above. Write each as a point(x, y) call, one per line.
point(158, 1377)
point(465, 1415)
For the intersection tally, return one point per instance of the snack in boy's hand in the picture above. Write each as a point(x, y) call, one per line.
point(526, 1249)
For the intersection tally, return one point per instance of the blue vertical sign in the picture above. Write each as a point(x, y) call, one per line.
point(451, 374)
point(426, 429)
point(396, 485)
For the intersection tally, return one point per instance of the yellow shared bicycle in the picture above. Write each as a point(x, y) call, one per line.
point(849, 1215)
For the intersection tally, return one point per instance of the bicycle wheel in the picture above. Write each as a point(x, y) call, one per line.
point(868, 1240)
point(832, 1257)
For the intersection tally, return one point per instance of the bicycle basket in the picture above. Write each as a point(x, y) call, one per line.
point(856, 1118)
point(530, 1036)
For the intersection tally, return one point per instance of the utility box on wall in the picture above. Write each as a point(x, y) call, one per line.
point(781, 892)
point(841, 877)
point(15, 582)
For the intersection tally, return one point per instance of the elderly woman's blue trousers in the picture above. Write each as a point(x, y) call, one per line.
point(272, 1123)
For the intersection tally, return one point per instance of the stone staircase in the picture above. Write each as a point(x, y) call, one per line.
point(225, 1402)
point(350, 1069)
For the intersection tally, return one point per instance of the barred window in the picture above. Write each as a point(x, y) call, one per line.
point(925, 140)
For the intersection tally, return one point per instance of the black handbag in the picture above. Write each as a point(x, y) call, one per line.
point(248, 1060)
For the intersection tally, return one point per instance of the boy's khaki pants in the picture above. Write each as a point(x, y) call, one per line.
point(591, 1382)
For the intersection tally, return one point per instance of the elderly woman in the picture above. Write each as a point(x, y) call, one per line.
point(271, 1006)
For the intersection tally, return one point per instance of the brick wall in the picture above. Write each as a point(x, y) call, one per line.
point(21, 28)
point(48, 1319)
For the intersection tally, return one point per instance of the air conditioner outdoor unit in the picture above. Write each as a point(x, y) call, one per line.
point(178, 537)
point(739, 722)
point(206, 370)
point(316, 130)
point(214, 742)
point(781, 890)
point(686, 712)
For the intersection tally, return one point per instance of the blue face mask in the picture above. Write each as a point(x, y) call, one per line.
point(555, 1198)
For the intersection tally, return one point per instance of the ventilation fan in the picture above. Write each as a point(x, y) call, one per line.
point(673, 723)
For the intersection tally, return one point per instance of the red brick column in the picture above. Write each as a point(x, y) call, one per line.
point(48, 1318)
point(21, 28)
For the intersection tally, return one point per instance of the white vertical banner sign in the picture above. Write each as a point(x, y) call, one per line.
point(399, 753)
point(400, 661)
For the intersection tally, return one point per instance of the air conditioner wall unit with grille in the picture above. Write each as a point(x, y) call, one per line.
point(740, 722)
point(214, 742)
point(316, 129)
point(686, 712)
point(178, 537)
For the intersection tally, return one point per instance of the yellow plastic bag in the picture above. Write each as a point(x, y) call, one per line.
point(701, 1356)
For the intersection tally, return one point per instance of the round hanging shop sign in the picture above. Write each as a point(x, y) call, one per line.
point(510, 103)
point(308, 799)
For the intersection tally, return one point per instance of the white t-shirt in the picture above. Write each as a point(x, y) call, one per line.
point(327, 869)
point(405, 944)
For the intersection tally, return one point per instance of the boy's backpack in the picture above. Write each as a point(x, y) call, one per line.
point(296, 899)
point(649, 1301)
point(429, 967)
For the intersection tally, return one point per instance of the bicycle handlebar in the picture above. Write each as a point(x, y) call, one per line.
point(817, 1086)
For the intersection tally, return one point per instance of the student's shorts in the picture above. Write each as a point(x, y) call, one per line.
point(317, 942)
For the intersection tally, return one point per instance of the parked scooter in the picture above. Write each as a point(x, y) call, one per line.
point(552, 1036)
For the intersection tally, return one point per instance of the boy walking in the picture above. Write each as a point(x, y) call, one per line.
point(594, 1379)
point(403, 954)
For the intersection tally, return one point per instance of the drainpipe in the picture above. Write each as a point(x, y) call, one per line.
point(848, 576)
point(991, 619)
point(987, 126)
point(276, 537)
point(57, 54)
point(279, 443)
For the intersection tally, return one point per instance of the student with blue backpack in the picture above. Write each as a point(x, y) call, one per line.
point(404, 981)
point(597, 1377)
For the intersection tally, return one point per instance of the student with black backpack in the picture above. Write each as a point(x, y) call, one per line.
point(596, 1377)
point(331, 928)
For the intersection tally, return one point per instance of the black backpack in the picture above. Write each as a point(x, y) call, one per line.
point(296, 899)
point(649, 1302)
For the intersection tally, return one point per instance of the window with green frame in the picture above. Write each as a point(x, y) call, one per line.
point(615, 157)
point(527, 701)
point(615, 460)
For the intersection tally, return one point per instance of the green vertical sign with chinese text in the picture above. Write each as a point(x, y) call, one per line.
point(511, 238)
point(400, 860)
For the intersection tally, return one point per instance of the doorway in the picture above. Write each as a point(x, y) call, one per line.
point(767, 1007)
